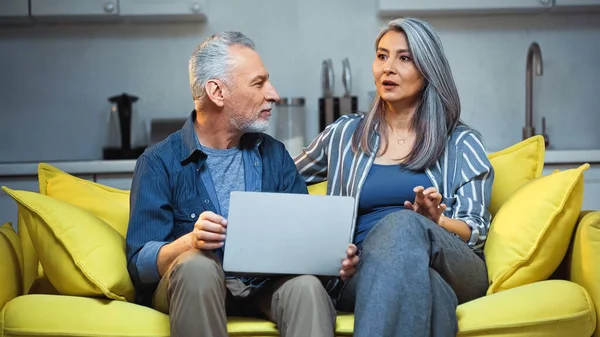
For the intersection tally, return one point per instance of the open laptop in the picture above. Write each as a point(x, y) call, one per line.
point(283, 233)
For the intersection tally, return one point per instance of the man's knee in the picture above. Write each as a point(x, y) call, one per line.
point(307, 284)
point(304, 288)
point(196, 269)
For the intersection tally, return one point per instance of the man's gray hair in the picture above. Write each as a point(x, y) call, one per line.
point(210, 60)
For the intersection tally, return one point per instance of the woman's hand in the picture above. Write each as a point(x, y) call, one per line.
point(349, 263)
point(427, 203)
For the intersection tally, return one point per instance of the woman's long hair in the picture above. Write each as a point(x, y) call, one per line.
point(438, 112)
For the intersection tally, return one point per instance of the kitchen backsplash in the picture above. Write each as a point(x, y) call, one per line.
point(56, 79)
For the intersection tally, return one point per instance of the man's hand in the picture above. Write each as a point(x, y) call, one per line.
point(209, 231)
point(349, 263)
point(427, 203)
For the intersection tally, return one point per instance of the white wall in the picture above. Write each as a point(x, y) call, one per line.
point(53, 75)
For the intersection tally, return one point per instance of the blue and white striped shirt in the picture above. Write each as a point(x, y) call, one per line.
point(463, 174)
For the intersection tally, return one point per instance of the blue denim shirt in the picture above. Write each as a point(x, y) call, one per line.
point(170, 190)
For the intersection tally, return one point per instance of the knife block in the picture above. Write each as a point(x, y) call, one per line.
point(331, 108)
point(348, 105)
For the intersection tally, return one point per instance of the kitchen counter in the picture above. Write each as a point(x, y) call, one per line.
point(572, 156)
point(555, 157)
point(72, 167)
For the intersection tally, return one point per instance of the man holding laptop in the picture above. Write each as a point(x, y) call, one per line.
point(180, 203)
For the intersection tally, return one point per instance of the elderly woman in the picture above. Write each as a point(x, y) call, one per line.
point(422, 183)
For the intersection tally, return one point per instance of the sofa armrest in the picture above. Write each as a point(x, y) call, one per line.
point(11, 266)
point(584, 266)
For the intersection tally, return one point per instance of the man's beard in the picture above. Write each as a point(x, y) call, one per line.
point(255, 125)
point(259, 125)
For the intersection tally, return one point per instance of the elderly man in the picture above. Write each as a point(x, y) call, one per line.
point(180, 198)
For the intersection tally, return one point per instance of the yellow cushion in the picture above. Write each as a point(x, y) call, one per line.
point(547, 308)
point(31, 264)
point(513, 167)
point(531, 233)
point(585, 257)
point(107, 203)
point(81, 254)
point(318, 189)
point(13, 238)
point(10, 265)
point(49, 315)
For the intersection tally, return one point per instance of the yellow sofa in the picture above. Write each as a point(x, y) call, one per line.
point(523, 300)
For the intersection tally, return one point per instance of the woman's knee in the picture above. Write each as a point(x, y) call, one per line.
point(404, 223)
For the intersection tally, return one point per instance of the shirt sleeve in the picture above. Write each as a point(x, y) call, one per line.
point(312, 162)
point(474, 193)
point(150, 221)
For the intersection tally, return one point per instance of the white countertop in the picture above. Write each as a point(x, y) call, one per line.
point(553, 157)
point(572, 156)
point(72, 167)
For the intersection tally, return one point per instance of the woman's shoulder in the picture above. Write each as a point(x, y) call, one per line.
point(346, 123)
point(350, 119)
point(464, 133)
point(464, 137)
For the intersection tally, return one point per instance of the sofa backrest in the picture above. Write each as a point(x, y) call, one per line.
point(10, 268)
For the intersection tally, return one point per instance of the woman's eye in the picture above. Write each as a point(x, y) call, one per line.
point(405, 58)
point(381, 56)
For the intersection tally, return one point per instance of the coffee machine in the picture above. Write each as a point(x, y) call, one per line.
point(123, 111)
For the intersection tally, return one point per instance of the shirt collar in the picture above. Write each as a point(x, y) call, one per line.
point(191, 145)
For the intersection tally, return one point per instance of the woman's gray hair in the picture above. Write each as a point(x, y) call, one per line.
point(210, 60)
point(438, 112)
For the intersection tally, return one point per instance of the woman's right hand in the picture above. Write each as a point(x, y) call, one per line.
point(209, 231)
point(427, 203)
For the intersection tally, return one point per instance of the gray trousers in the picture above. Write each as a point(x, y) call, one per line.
point(411, 277)
point(198, 298)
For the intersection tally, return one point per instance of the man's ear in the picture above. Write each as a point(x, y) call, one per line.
point(214, 91)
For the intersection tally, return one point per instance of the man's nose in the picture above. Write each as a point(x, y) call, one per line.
point(272, 95)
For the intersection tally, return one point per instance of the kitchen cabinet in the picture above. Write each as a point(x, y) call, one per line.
point(163, 10)
point(117, 180)
point(439, 7)
point(591, 194)
point(67, 10)
point(14, 10)
point(568, 3)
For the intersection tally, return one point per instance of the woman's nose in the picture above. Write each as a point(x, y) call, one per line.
point(388, 68)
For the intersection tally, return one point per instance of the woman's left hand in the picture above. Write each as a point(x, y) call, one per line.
point(349, 263)
point(427, 203)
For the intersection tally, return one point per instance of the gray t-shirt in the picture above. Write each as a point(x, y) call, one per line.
point(226, 169)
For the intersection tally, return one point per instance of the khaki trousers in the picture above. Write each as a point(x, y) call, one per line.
point(198, 298)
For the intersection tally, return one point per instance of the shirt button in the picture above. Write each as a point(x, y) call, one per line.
point(256, 190)
point(193, 215)
point(255, 163)
point(206, 201)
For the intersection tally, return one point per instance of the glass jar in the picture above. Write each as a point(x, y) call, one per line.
point(291, 124)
